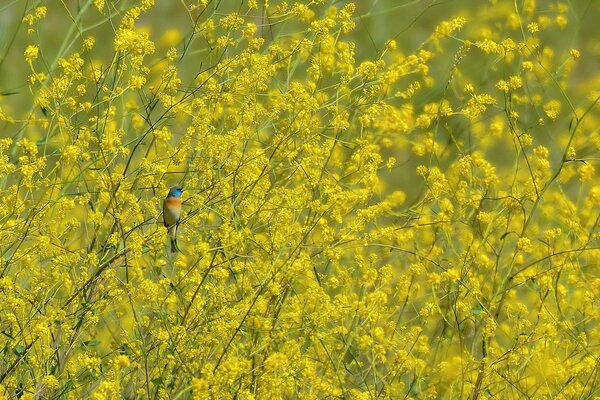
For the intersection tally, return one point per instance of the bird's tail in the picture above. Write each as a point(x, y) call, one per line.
point(173, 238)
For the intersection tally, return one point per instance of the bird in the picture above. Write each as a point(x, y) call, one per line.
point(172, 214)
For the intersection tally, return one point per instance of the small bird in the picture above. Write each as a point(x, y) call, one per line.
point(172, 213)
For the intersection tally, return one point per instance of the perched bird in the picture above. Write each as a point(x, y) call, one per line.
point(172, 213)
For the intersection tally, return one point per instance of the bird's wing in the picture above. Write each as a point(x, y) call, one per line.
point(165, 213)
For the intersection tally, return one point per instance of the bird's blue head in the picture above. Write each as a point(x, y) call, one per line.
point(175, 191)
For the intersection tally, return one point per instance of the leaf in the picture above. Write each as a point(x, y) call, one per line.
point(157, 381)
point(478, 309)
point(19, 350)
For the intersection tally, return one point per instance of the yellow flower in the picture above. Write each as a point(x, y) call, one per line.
point(123, 361)
point(561, 21)
point(502, 85)
point(137, 81)
point(391, 45)
point(223, 41)
point(50, 381)
point(575, 54)
point(552, 109)
point(31, 53)
point(250, 30)
point(524, 244)
point(88, 42)
point(99, 4)
point(532, 27)
point(515, 82)
point(586, 172)
point(40, 12)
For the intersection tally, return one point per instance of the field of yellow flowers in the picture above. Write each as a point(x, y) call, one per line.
point(385, 199)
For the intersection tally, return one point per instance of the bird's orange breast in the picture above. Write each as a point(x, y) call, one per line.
point(173, 202)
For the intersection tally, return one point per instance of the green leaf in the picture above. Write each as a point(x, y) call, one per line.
point(478, 309)
point(19, 350)
point(157, 381)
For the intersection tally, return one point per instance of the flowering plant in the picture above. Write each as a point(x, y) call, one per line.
point(388, 200)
